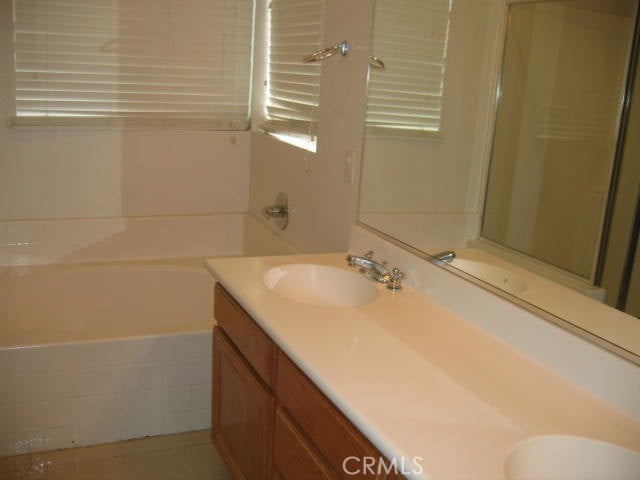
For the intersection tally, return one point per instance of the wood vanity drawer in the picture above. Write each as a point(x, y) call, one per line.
point(294, 457)
point(333, 434)
point(246, 335)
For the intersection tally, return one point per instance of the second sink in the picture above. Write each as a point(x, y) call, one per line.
point(565, 457)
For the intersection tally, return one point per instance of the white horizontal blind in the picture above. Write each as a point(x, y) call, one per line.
point(161, 63)
point(410, 37)
point(295, 31)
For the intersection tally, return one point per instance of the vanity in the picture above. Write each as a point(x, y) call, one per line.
point(271, 421)
point(393, 385)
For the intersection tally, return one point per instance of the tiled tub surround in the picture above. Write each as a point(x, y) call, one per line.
point(94, 353)
point(95, 349)
point(421, 380)
point(85, 393)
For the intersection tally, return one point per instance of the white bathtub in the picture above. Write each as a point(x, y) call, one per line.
point(97, 352)
point(69, 303)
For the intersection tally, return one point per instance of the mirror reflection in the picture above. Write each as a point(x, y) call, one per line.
point(520, 190)
point(554, 143)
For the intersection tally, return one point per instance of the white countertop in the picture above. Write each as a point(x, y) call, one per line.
point(418, 380)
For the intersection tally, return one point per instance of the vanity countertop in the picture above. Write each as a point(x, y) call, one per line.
point(419, 380)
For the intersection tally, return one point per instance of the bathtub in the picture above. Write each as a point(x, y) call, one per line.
point(101, 351)
point(87, 302)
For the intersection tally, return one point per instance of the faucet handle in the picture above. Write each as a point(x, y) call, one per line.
point(395, 280)
point(369, 255)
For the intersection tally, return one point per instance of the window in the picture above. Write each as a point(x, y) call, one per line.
point(293, 87)
point(410, 37)
point(160, 63)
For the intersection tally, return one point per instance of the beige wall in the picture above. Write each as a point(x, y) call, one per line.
point(53, 173)
point(323, 203)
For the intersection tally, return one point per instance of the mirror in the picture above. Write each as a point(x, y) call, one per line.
point(517, 184)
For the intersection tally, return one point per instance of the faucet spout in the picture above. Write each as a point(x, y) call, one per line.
point(377, 271)
point(444, 256)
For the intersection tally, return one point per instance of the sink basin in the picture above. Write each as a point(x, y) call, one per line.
point(496, 276)
point(320, 285)
point(563, 457)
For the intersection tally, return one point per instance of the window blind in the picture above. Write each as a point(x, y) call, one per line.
point(165, 63)
point(410, 36)
point(295, 30)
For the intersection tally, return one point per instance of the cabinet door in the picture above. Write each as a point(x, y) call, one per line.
point(243, 410)
point(331, 432)
point(294, 458)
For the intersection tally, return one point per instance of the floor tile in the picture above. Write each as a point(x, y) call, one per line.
point(187, 456)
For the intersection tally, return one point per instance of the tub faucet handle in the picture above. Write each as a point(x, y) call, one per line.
point(279, 211)
point(274, 211)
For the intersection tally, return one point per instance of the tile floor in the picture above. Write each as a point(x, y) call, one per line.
point(184, 456)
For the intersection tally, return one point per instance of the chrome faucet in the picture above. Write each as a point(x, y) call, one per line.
point(368, 266)
point(444, 256)
point(377, 271)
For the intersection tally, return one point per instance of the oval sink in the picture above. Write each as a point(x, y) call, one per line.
point(320, 285)
point(564, 457)
point(496, 276)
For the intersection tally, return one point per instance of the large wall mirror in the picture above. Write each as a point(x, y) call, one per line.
point(503, 130)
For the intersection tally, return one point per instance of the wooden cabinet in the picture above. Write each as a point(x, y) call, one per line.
point(295, 457)
point(242, 415)
point(245, 334)
point(332, 433)
point(269, 420)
